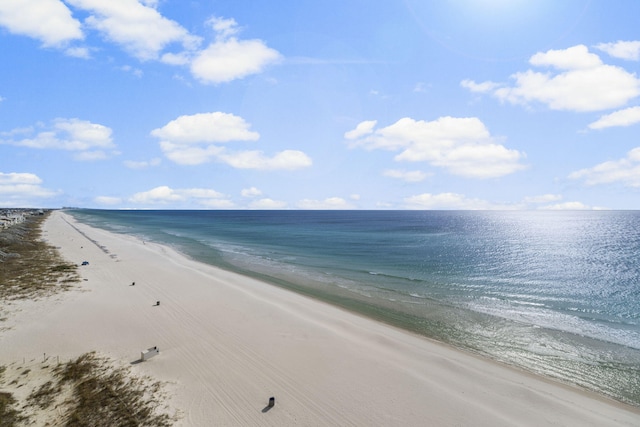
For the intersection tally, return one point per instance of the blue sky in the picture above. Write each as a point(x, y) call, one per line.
point(300, 104)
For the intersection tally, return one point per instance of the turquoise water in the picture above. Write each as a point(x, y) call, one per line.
point(555, 293)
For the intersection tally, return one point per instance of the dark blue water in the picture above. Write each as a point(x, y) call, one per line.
point(556, 293)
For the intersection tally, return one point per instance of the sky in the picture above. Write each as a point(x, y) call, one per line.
point(333, 104)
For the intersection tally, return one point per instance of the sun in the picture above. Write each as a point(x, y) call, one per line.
point(496, 29)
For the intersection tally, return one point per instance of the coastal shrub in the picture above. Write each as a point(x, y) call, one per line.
point(108, 396)
point(31, 268)
point(44, 396)
point(9, 416)
point(88, 391)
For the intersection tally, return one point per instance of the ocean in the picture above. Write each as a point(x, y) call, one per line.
point(556, 293)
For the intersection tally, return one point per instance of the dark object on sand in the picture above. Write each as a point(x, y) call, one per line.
point(133, 283)
point(85, 262)
point(157, 302)
point(272, 402)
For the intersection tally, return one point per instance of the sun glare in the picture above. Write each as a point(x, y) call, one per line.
point(496, 29)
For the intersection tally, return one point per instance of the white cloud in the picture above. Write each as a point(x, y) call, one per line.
point(573, 58)
point(408, 176)
point(363, 129)
point(228, 58)
point(139, 28)
point(13, 178)
point(462, 146)
point(165, 195)
point(187, 155)
point(224, 28)
point(629, 50)
point(188, 140)
point(143, 164)
point(206, 127)
point(625, 171)
point(483, 87)
point(268, 204)
point(143, 32)
point(107, 200)
point(192, 140)
point(446, 201)
point(581, 82)
point(251, 192)
point(568, 206)
point(49, 21)
point(626, 117)
point(284, 160)
point(19, 189)
point(88, 140)
point(182, 58)
point(326, 204)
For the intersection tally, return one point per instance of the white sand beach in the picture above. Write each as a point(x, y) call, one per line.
point(228, 343)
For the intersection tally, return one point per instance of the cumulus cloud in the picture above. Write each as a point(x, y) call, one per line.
point(228, 58)
point(363, 129)
point(21, 188)
point(462, 146)
point(267, 203)
point(455, 201)
point(143, 32)
point(446, 201)
point(139, 28)
point(568, 206)
point(626, 117)
point(49, 21)
point(90, 141)
point(408, 176)
point(196, 139)
point(576, 80)
point(629, 50)
point(165, 195)
point(326, 204)
point(206, 127)
point(251, 192)
point(625, 171)
point(284, 160)
point(483, 87)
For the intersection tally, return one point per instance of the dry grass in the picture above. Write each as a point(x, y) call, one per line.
point(88, 391)
point(107, 396)
point(9, 415)
point(29, 267)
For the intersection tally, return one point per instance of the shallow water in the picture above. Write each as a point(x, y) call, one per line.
point(556, 293)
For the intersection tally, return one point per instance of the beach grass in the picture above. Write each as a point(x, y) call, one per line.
point(29, 266)
point(88, 391)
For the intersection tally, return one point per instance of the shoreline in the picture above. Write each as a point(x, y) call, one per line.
point(228, 342)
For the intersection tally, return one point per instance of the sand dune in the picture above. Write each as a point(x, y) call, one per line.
point(227, 343)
